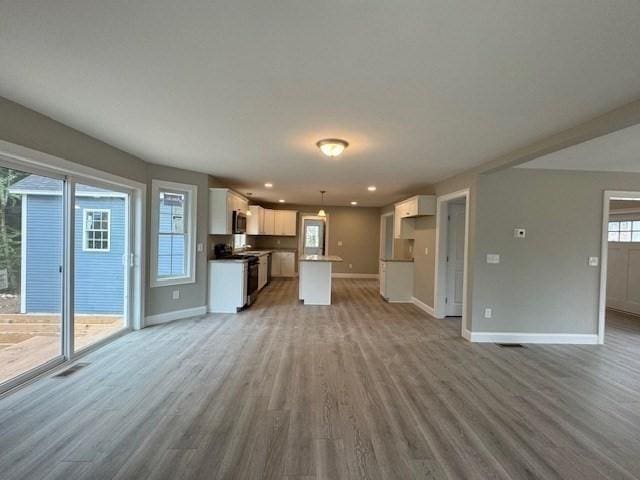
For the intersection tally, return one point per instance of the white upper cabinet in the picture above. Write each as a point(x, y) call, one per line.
point(406, 212)
point(222, 203)
point(255, 222)
point(269, 222)
point(285, 222)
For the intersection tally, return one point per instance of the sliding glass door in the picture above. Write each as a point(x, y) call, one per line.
point(31, 282)
point(102, 263)
point(65, 267)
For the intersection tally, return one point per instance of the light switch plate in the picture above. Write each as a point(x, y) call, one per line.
point(176, 294)
point(488, 313)
point(339, 243)
point(493, 258)
point(594, 261)
point(200, 247)
point(426, 250)
point(519, 233)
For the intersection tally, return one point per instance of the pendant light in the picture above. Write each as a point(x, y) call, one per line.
point(321, 212)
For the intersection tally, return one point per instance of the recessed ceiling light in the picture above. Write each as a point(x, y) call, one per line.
point(354, 203)
point(268, 185)
point(332, 147)
point(281, 200)
point(372, 188)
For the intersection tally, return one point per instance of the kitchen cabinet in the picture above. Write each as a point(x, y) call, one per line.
point(396, 280)
point(269, 221)
point(222, 203)
point(283, 264)
point(405, 213)
point(263, 267)
point(285, 222)
point(255, 222)
point(227, 286)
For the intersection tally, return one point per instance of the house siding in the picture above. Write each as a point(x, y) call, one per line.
point(99, 276)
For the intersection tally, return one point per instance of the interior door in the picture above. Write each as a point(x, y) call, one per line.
point(455, 260)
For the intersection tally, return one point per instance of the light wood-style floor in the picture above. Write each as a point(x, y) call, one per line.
point(361, 389)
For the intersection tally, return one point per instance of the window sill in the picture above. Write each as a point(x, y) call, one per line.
point(172, 281)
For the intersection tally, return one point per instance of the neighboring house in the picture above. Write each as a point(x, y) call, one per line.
point(100, 219)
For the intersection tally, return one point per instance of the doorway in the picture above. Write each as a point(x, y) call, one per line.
point(620, 268)
point(313, 239)
point(452, 257)
point(455, 257)
point(71, 263)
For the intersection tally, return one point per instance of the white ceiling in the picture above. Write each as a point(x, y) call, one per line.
point(616, 152)
point(421, 89)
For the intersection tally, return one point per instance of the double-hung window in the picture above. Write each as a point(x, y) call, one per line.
point(96, 230)
point(173, 219)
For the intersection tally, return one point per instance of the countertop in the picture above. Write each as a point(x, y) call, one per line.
point(229, 260)
point(396, 259)
point(319, 258)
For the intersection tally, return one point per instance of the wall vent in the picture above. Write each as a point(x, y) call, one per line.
point(510, 345)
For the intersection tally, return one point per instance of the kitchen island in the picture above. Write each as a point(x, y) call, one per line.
point(315, 278)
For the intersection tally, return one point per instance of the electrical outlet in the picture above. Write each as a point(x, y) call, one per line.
point(278, 242)
point(339, 243)
point(594, 261)
point(426, 251)
point(488, 313)
point(519, 233)
point(175, 294)
point(200, 247)
point(350, 265)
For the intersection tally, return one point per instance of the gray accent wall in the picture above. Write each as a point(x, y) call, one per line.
point(28, 128)
point(159, 299)
point(543, 283)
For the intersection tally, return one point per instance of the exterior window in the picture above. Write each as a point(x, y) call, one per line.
point(624, 231)
point(96, 230)
point(239, 241)
point(312, 236)
point(174, 231)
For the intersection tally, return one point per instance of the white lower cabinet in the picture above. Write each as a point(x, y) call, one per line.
point(396, 281)
point(263, 270)
point(227, 286)
point(283, 264)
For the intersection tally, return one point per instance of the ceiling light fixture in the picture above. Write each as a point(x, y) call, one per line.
point(354, 203)
point(332, 147)
point(321, 212)
point(281, 200)
point(372, 188)
point(268, 185)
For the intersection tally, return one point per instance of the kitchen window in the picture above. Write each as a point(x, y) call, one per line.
point(174, 233)
point(96, 230)
point(624, 231)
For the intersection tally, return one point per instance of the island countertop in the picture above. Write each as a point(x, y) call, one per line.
point(320, 258)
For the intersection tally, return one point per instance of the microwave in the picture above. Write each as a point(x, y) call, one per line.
point(239, 225)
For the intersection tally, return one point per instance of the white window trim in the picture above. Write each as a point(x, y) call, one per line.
point(190, 244)
point(84, 230)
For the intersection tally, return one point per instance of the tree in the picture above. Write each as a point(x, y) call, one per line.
point(10, 228)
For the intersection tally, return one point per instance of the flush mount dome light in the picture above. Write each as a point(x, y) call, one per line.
point(332, 147)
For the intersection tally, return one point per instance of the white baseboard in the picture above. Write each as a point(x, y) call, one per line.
point(549, 338)
point(355, 275)
point(466, 334)
point(175, 315)
point(423, 306)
